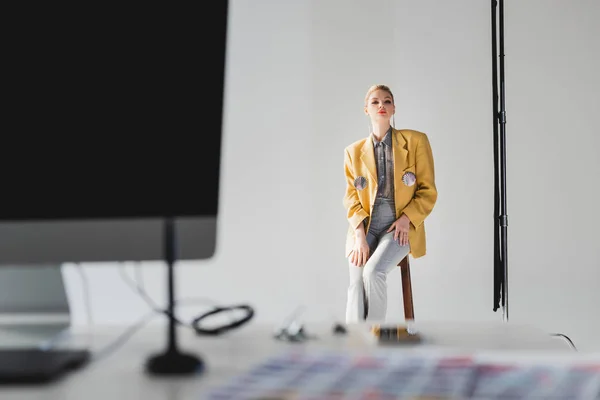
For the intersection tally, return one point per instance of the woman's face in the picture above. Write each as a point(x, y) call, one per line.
point(380, 106)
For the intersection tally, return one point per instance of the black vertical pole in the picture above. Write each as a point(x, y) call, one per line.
point(172, 361)
point(170, 258)
point(500, 215)
point(503, 214)
point(497, 267)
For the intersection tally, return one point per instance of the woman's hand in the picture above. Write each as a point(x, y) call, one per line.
point(360, 253)
point(401, 226)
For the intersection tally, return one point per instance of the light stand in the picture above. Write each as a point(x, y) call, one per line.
point(172, 361)
point(500, 216)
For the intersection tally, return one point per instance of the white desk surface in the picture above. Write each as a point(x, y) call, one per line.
point(121, 374)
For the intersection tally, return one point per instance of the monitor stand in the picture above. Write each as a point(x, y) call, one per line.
point(34, 315)
point(172, 361)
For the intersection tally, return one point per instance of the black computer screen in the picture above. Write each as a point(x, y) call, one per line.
point(113, 113)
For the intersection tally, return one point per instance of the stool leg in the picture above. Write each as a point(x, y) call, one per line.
point(409, 312)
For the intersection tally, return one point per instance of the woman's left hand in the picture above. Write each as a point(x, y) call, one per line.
point(401, 226)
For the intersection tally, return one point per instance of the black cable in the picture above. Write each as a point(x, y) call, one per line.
point(195, 324)
point(134, 285)
point(566, 338)
point(223, 328)
point(122, 338)
point(138, 286)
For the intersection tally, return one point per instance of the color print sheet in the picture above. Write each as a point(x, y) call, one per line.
point(411, 375)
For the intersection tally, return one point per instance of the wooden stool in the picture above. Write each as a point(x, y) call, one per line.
point(409, 312)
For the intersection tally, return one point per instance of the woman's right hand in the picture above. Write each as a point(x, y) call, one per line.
point(360, 253)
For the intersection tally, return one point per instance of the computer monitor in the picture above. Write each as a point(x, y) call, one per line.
point(111, 147)
point(114, 123)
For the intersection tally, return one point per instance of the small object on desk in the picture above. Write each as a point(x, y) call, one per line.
point(395, 334)
point(295, 332)
point(339, 329)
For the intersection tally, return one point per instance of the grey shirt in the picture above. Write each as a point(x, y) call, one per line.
point(384, 159)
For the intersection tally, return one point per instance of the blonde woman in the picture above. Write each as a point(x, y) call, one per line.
point(390, 191)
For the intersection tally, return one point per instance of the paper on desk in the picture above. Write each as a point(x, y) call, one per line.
point(407, 373)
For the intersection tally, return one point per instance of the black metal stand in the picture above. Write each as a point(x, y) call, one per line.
point(172, 361)
point(500, 216)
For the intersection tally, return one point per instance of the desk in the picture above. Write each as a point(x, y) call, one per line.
point(120, 375)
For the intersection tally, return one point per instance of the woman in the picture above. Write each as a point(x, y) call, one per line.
point(390, 191)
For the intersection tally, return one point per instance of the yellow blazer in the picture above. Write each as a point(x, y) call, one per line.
point(413, 158)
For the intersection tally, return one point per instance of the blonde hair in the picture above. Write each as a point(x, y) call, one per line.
point(378, 87)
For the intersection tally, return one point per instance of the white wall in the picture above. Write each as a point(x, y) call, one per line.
point(553, 168)
point(296, 77)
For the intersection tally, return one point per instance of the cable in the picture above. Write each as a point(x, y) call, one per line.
point(137, 285)
point(122, 338)
point(223, 328)
point(566, 338)
point(86, 295)
point(87, 301)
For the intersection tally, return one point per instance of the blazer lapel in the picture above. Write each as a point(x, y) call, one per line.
point(368, 158)
point(400, 157)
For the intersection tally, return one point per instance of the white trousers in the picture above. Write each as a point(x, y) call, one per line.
point(367, 291)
